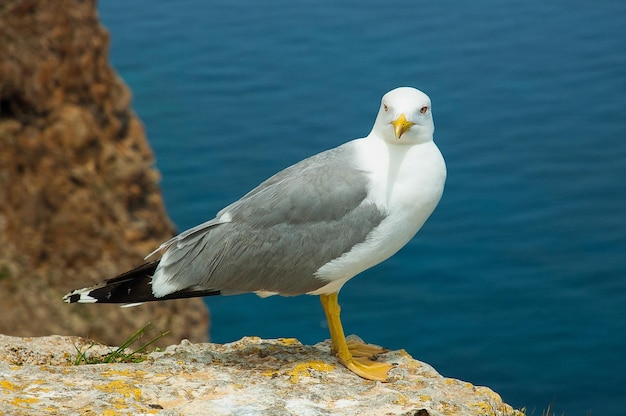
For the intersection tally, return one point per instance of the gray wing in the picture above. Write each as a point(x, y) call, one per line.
point(280, 233)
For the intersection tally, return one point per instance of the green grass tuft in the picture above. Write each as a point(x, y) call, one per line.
point(546, 412)
point(120, 354)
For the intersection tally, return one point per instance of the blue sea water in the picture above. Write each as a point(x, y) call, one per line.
point(518, 280)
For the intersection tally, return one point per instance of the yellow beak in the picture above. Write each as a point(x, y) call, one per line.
point(401, 125)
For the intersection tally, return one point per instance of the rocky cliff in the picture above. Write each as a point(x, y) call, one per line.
point(248, 377)
point(79, 195)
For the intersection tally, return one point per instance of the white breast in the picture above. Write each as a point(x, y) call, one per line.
point(406, 183)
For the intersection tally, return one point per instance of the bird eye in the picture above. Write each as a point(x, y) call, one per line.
point(385, 107)
point(424, 109)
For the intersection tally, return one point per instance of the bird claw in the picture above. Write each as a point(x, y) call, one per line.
point(369, 370)
point(362, 350)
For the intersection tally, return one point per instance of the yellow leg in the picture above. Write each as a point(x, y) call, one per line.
point(353, 355)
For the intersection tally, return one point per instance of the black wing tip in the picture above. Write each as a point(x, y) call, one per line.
point(109, 294)
point(80, 296)
point(71, 297)
point(131, 287)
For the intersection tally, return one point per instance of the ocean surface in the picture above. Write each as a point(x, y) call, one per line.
point(518, 280)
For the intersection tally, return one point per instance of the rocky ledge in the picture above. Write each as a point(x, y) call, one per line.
point(252, 376)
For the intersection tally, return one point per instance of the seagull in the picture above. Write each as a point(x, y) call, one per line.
point(308, 229)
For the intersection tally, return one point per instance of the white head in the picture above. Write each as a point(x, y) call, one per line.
point(405, 117)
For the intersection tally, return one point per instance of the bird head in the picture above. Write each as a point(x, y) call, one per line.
point(405, 117)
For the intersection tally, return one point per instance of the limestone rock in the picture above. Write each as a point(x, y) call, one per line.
point(252, 376)
point(79, 195)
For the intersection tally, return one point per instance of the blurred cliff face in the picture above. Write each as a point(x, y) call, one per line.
point(79, 195)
